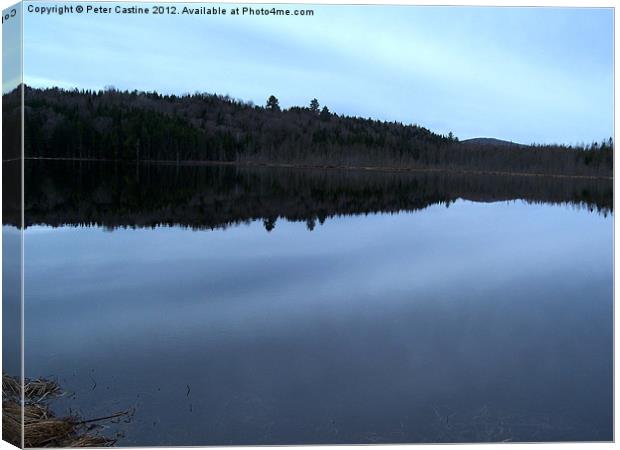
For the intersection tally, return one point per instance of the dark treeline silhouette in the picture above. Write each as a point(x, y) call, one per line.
point(116, 194)
point(143, 126)
point(11, 125)
point(11, 154)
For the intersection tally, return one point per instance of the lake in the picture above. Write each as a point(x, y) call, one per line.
point(264, 306)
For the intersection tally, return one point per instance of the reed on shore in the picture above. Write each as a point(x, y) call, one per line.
point(41, 427)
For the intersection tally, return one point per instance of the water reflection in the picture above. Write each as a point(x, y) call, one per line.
point(478, 322)
point(205, 197)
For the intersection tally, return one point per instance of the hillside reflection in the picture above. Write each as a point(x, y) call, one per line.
point(205, 197)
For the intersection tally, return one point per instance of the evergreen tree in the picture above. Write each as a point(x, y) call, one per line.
point(325, 114)
point(314, 106)
point(273, 103)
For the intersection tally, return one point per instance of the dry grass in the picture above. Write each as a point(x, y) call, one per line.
point(41, 427)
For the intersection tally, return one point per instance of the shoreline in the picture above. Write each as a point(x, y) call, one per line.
point(28, 420)
point(381, 169)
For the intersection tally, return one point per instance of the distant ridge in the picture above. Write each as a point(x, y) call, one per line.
point(493, 142)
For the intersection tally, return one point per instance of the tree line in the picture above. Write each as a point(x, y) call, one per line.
point(148, 126)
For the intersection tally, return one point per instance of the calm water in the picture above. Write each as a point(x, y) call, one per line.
point(478, 322)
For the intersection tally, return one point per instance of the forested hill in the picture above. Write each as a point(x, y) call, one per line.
point(205, 127)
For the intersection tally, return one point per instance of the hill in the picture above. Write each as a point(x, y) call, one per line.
point(147, 126)
point(482, 141)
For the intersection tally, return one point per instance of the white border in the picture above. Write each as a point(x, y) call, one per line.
point(543, 3)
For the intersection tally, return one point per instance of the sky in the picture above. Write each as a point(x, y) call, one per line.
point(528, 75)
point(11, 49)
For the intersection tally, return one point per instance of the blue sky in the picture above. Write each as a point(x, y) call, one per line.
point(523, 74)
point(11, 52)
